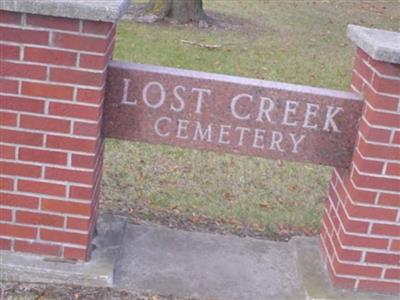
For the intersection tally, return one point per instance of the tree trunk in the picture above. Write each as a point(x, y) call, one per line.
point(183, 11)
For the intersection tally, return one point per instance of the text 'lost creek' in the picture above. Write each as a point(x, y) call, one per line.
point(257, 121)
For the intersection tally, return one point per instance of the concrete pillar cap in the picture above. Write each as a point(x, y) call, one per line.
point(96, 10)
point(382, 45)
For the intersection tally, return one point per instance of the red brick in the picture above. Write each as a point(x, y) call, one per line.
point(50, 56)
point(95, 27)
point(385, 68)
point(389, 199)
point(47, 90)
point(5, 214)
point(8, 17)
point(396, 139)
point(78, 42)
point(5, 244)
point(87, 129)
point(41, 188)
point(363, 55)
point(326, 222)
point(83, 161)
point(74, 144)
point(393, 169)
point(363, 241)
point(77, 77)
point(371, 212)
point(392, 274)
point(82, 193)
point(382, 118)
point(96, 62)
point(6, 184)
point(22, 70)
point(9, 52)
point(380, 101)
point(18, 231)
point(379, 286)
point(90, 96)
point(19, 201)
point(7, 152)
point(19, 104)
point(334, 218)
point(36, 218)
point(374, 134)
point(44, 156)
point(355, 269)
point(75, 253)
point(352, 226)
point(8, 119)
point(385, 85)
point(344, 254)
point(53, 22)
point(373, 182)
point(341, 193)
point(358, 195)
point(24, 36)
point(67, 207)
point(37, 248)
point(45, 124)
point(64, 236)
point(75, 111)
point(332, 197)
point(69, 175)
point(23, 138)
point(327, 244)
point(365, 71)
point(386, 229)
point(8, 86)
point(78, 224)
point(17, 169)
point(395, 246)
point(340, 282)
point(335, 176)
point(357, 82)
point(382, 258)
point(367, 166)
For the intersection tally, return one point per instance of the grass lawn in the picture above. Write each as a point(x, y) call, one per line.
point(293, 41)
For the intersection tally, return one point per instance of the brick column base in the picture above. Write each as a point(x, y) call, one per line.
point(53, 73)
point(360, 235)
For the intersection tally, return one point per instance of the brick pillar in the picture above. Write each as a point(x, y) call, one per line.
point(53, 71)
point(360, 235)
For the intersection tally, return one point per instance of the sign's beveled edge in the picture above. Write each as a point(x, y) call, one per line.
point(238, 80)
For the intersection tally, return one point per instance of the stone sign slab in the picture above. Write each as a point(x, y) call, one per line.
point(223, 113)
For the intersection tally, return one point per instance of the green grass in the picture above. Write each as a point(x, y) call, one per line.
point(292, 41)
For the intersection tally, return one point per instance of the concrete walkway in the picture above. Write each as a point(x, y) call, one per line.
point(206, 266)
point(159, 260)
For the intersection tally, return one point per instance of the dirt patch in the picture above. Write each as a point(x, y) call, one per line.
point(142, 214)
point(21, 291)
point(218, 21)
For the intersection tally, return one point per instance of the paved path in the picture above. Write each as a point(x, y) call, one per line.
point(205, 265)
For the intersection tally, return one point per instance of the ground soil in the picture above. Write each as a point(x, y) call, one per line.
point(216, 20)
point(142, 214)
point(32, 291)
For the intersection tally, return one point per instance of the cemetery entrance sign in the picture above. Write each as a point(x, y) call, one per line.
point(230, 114)
point(61, 95)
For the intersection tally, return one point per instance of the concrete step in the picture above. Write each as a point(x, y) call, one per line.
point(160, 260)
